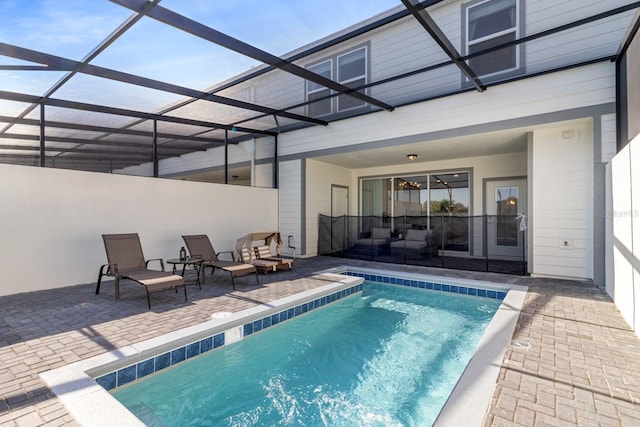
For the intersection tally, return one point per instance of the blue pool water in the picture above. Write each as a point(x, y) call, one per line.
point(387, 357)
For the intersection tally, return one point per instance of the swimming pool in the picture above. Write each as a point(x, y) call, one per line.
point(115, 369)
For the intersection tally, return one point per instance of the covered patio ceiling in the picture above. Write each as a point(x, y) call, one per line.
point(104, 85)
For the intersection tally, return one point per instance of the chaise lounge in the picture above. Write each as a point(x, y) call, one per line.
point(200, 245)
point(264, 252)
point(247, 255)
point(126, 261)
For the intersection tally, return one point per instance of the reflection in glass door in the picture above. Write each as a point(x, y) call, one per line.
point(506, 199)
point(506, 210)
point(449, 210)
point(435, 201)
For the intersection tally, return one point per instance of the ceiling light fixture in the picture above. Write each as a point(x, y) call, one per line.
point(412, 156)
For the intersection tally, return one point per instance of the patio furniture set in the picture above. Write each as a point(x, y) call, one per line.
point(125, 260)
point(415, 244)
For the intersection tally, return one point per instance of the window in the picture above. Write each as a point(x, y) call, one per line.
point(319, 92)
point(350, 69)
point(352, 72)
point(491, 23)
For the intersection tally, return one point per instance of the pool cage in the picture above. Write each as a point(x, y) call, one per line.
point(489, 243)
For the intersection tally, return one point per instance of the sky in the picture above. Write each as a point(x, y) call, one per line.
point(72, 28)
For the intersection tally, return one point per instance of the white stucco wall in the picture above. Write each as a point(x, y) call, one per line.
point(52, 220)
point(623, 223)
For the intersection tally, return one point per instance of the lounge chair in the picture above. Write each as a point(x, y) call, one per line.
point(200, 245)
point(263, 265)
point(244, 249)
point(126, 261)
point(264, 252)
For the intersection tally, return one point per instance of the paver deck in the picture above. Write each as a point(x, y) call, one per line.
point(573, 360)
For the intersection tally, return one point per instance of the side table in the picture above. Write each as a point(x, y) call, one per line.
point(196, 262)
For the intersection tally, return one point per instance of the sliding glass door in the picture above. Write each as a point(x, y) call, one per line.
point(436, 201)
point(449, 210)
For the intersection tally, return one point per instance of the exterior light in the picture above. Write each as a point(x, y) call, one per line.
point(412, 156)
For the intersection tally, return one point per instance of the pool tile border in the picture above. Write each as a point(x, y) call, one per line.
point(141, 369)
point(430, 285)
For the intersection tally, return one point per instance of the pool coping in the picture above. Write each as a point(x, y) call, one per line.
point(76, 387)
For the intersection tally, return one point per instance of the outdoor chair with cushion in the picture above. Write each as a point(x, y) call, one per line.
point(199, 245)
point(126, 261)
point(376, 244)
point(264, 252)
point(416, 244)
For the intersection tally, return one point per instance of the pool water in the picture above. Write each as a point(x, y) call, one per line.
point(387, 357)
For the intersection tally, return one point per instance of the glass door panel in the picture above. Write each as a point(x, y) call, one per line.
point(505, 200)
point(449, 210)
point(410, 203)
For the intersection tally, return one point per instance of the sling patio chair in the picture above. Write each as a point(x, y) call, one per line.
point(200, 245)
point(126, 261)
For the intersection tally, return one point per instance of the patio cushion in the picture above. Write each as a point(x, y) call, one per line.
point(380, 233)
point(409, 244)
point(372, 242)
point(420, 235)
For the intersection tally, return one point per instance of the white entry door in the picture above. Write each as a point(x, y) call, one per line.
point(339, 217)
point(506, 200)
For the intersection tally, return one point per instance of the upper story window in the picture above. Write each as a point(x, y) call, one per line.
point(350, 69)
point(491, 23)
point(352, 72)
point(316, 91)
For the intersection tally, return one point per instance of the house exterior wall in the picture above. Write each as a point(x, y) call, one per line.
point(562, 201)
point(467, 113)
point(405, 46)
point(623, 232)
point(587, 93)
point(319, 178)
point(608, 125)
point(291, 205)
point(53, 220)
point(530, 104)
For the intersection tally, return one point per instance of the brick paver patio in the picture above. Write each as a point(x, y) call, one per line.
point(573, 359)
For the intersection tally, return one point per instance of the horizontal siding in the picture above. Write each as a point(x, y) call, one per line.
point(608, 141)
point(290, 204)
point(562, 202)
point(405, 46)
point(545, 14)
point(569, 89)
